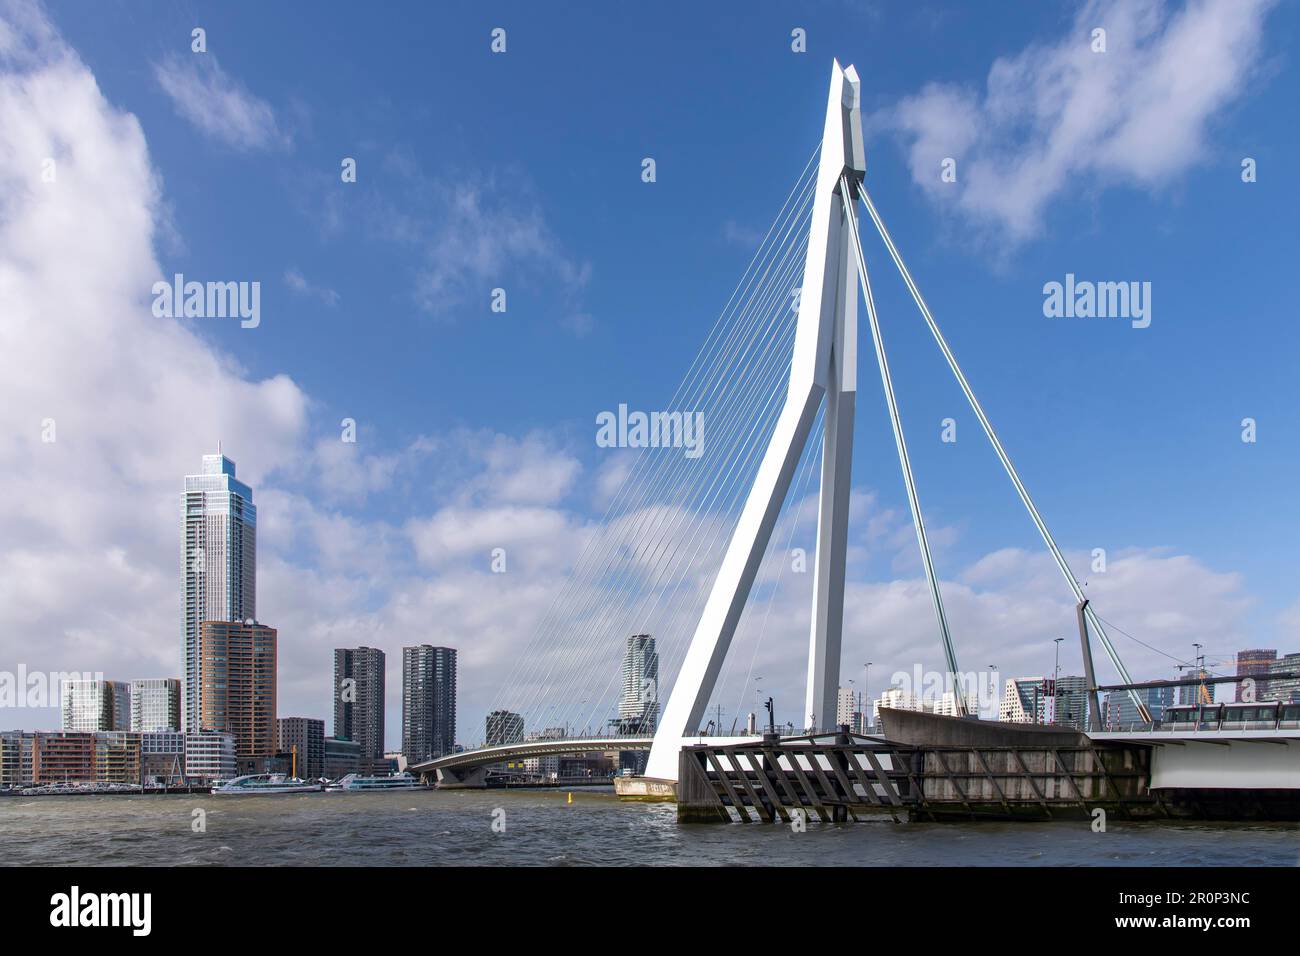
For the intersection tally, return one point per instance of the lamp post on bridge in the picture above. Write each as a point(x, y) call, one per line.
point(1056, 680)
point(866, 693)
point(993, 682)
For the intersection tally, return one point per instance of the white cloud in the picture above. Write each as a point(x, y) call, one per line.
point(89, 521)
point(1057, 117)
point(299, 284)
point(487, 237)
point(218, 104)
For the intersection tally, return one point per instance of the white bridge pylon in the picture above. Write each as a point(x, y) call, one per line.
point(823, 365)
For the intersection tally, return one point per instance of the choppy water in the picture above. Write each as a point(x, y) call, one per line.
point(428, 828)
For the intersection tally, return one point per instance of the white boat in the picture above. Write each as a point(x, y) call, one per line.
point(355, 782)
point(266, 783)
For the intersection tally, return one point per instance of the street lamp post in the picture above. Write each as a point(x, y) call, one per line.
point(1056, 680)
point(993, 683)
point(866, 692)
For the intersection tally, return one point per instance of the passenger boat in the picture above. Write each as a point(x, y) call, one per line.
point(266, 783)
point(355, 783)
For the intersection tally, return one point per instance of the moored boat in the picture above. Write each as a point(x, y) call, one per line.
point(266, 783)
point(357, 783)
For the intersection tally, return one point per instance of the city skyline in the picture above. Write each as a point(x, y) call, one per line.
point(388, 540)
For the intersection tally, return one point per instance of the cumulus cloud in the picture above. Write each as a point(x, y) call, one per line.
point(1057, 117)
point(217, 104)
point(102, 405)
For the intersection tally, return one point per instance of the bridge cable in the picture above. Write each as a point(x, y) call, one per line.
point(740, 458)
point(657, 474)
point(622, 498)
point(1001, 453)
point(666, 528)
point(904, 461)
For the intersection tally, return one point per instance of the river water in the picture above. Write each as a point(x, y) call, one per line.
point(541, 828)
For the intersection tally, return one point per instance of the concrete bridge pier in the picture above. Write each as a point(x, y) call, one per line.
point(460, 778)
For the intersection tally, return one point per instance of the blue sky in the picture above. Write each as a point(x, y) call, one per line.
point(522, 170)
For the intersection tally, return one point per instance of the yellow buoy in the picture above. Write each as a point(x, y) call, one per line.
point(570, 798)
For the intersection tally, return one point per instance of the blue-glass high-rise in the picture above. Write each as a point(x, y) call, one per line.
point(219, 561)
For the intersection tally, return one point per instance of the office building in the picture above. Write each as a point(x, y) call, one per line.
point(1197, 693)
point(638, 705)
point(219, 562)
point(155, 705)
point(237, 672)
point(90, 706)
point(1062, 701)
point(1120, 713)
point(359, 699)
point(1070, 702)
point(428, 702)
point(209, 755)
point(1256, 664)
point(503, 727)
point(847, 711)
point(304, 739)
point(162, 758)
point(1027, 700)
point(342, 757)
point(1284, 688)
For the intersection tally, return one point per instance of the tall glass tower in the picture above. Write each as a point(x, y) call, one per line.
point(428, 702)
point(219, 561)
point(638, 707)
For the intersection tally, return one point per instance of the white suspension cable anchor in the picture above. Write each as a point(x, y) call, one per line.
point(904, 461)
point(1003, 457)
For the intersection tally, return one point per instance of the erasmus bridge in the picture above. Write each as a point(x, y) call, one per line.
point(693, 549)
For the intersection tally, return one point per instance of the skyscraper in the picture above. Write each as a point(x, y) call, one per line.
point(359, 700)
point(503, 727)
point(428, 702)
point(638, 706)
point(1070, 702)
point(219, 561)
point(155, 705)
point(89, 706)
point(237, 668)
point(1255, 663)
